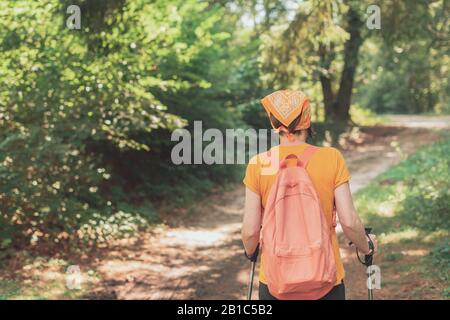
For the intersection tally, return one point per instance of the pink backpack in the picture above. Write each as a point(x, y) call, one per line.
point(299, 261)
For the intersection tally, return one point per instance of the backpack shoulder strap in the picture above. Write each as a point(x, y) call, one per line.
point(307, 154)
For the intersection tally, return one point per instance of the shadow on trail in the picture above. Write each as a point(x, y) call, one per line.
point(201, 259)
point(212, 272)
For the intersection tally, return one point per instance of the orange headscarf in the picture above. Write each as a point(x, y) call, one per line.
point(286, 105)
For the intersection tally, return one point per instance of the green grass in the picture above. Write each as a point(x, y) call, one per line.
point(9, 289)
point(45, 278)
point(364, 116)
point(393, 256)
point(410, 205)
point(51, 290)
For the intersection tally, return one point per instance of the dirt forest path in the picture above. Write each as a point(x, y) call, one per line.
point(202, 256)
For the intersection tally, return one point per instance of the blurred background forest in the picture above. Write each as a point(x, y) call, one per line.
point(86, 115)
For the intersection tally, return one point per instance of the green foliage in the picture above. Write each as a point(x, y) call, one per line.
point(404, 68)
point(440, 256)
point(417, 191)
point(58, 99)
point(8, 289)
point(364, 116)
point(440, 263)
point(42, 278)
point(426, 180)
point(86, 114)
point(393, 256)
point(411, 201)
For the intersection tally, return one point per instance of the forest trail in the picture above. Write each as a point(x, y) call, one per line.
point(202, 256)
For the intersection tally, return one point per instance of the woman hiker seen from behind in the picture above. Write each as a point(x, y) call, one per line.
point(293, 192)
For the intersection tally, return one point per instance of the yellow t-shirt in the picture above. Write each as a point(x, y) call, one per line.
point(327, 170)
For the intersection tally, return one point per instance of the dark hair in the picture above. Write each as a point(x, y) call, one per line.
point(291, 128)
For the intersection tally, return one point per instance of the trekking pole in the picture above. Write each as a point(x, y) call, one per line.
point(368, 262)
point(253, 259)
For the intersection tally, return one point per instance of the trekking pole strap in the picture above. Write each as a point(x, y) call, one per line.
point(254, 256)
point(368, 258)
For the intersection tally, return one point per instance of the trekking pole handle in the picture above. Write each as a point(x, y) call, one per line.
point(254, 256)
point(368, 258)
point(368, 231)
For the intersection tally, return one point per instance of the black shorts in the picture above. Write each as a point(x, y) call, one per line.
point(337, 293)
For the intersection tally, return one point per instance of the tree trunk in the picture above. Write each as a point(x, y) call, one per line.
point(337, 106)
point(328, 97)
point(326, 58)
point(351, 50)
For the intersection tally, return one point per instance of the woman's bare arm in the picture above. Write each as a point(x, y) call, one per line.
point(349, 219)
point(252, 221)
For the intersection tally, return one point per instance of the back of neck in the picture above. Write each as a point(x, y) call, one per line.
point(284, 141)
